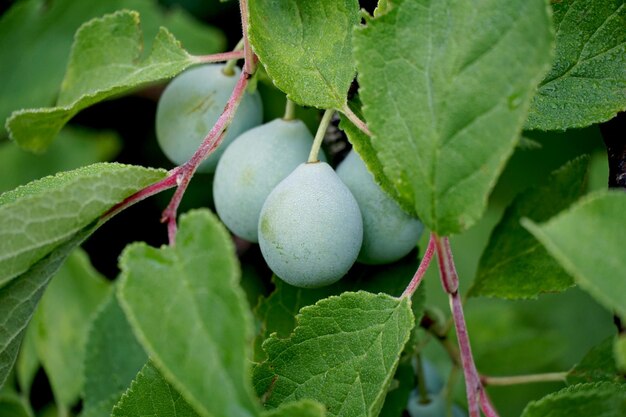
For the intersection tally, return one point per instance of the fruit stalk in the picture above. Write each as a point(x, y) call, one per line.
point(221, 57)
point(355, 120)
point(524, 379)
point(209, 144)
point(319, 135)
point(476, 396)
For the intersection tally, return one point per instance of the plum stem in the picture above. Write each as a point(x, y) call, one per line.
point(233, 55)
point(209, 144)
point(421, 269)
point(347, 111)
point(476, 396)
point(319, 136)
point(249, 65)
point(290, 110)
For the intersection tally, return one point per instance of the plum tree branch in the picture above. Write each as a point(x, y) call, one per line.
point(209, 144)
point(524, 379)
point(476, 395)
point(421, 269)
point(221, 57)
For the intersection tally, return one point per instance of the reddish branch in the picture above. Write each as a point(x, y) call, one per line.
point(476, 395)
point(421, 270)
point(210, 143)
point(221, 57)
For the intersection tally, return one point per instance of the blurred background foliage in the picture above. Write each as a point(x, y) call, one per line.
point(549, 334)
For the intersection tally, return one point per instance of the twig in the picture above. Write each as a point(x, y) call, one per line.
point(421, 269)
point(449, 279)
point(355, 120)
point(210, 143)
point(221, 57)
point(524, 379)
point(165, 184)
point(319, 135)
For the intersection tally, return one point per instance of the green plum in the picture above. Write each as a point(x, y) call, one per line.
point(310, 228)
point(190, 106)
point(388, 232)
point(435, 407)
point(252, 166)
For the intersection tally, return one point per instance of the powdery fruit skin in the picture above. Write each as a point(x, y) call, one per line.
point(388, 232)
point(310, 229)
point(190, 106)
point(252, 166)
point(435, 408)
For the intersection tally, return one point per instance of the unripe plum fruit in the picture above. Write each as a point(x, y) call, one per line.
point(310, 228)
point(436, 406)
point(252, 166)
point(434, 382)
point(388, 232)
point(190, 106)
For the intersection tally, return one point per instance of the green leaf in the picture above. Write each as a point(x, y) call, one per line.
point(62, 320)
point(19, 298)
point(12, 405)
point(362, 144)
point(151, 395)
point(109, 368)
point(343, 354)
point(445, 86)
point(587, 240)
point(598, 365)
point(277, 312)
point(38, 217)
point(588, 78)
point(302, 408)
point(619, 350)
point(514, 264)
point(105, 61)
point(46, 30)
point(28, 362)
point(397, 398)
point(196, 302)
point(583, 400)
point(74, 149)
point(306, 47)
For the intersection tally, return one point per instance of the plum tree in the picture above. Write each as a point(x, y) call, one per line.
point(310, 228)
point(190, 106)
point(388, 232)
point(432, 378)
point(252, 166)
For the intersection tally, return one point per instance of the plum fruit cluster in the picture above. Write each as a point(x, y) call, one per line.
point(311, 222)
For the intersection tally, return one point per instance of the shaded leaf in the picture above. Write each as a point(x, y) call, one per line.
point(109, 368)
point(587, 82)
point(306, 47)
point(598, 365)
point(583, 400)
point(514, 264)
point(62, 320)
point(343, 354)
point(441, 135)
point(105, 61)
point(303, 408)
point(587, 241)
point(12, 405)
point(46, 30)
point(19, 298)
point(619, 351)
point(38, 217)
point(197, 302)
point(74, 149)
